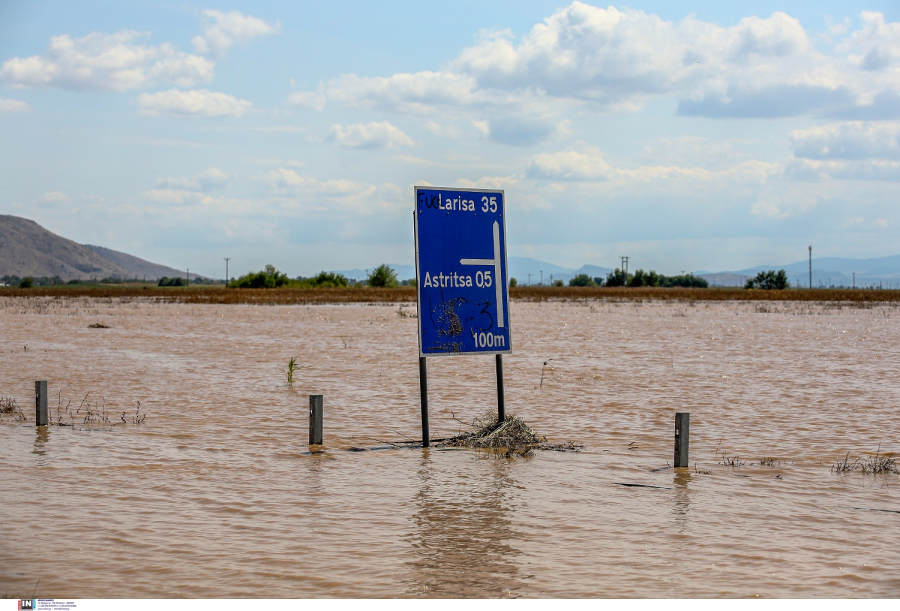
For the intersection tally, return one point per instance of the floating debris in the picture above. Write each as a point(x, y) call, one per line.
point(99, 325)
point(511, 435)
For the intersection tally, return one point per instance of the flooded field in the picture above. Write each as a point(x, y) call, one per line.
point(215, 493)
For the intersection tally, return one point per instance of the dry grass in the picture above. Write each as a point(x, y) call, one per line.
point(407, 294)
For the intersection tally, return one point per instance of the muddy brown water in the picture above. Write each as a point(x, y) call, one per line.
point(216, 494)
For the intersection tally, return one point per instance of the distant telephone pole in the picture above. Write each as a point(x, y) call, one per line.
point(625, 265)
point(810, 266)
point(542, 277)
point(187, 276)
point(226, 268)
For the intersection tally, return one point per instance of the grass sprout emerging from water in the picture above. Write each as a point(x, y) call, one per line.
point(880, 464)
point(732, 461)
point(292, 368)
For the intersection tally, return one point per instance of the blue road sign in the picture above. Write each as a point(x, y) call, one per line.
point(461, 271)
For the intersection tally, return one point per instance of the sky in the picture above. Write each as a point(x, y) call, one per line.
point(687, 136)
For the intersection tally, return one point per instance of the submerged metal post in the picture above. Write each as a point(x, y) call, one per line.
point(501, 400)
point(316, 416)
point(41, 413)
point(423, 387)
point(682, 438)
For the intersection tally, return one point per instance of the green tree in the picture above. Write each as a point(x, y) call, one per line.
point(582, 280)
point(268, 278)
point(769, 280)
point(558, 283)
point(383, 276)
point(617, 277)
point(325, 279)
point(513, 282)
point(26, 283)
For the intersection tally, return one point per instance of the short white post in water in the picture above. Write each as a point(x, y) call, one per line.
point(497, 262)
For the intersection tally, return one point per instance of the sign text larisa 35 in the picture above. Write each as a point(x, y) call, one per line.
point(461, 271)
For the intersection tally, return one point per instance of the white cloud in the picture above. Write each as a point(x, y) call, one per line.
point(784, 203)
point(207, 180)
point(98, 61)
point(222, 30)
point(289, 183)
point(308, 100)
point(617, 59)
point(369, 136)
point(517, 131)
point(54, 197)
point(868, 169)
point(876, 46)
point(488, 182)
point(195, 103)
point(10, 105)
point(584, 165)
point(848, 140)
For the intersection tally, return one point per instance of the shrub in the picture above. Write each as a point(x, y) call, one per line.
point(268, 278)
point(513, 283)
point(582, 280)
point(558, 283)
point(383, 276)
point(26, 283)
point(164, 281)
point(323, 279)
point(768, 280)
point(684, 280)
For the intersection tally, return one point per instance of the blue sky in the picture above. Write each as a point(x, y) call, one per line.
point(696, 136)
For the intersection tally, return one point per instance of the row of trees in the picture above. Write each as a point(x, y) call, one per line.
point(640, 278)
point(270, 278)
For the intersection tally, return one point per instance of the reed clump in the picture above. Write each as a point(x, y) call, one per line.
point(511, 435)
point(879, 464)
point(9, 406)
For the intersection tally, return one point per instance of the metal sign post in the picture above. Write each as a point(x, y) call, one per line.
point(462, 279)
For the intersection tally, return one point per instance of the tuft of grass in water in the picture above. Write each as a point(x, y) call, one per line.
point(291, 369)
point(732, 461)
point(8, 405)
point(880, 464)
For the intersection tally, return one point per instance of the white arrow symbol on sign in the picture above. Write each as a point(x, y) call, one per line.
point(496, 262)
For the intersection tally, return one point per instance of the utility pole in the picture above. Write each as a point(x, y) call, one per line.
point(625, 265)
point(854, 279)
point(542, 277)
point(810, 266)
point(187, 276)
point(226, 269)
point(529, 279)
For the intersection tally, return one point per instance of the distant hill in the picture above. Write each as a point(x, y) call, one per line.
point(27, 249)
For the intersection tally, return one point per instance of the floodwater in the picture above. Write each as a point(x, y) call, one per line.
point(216, 494)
